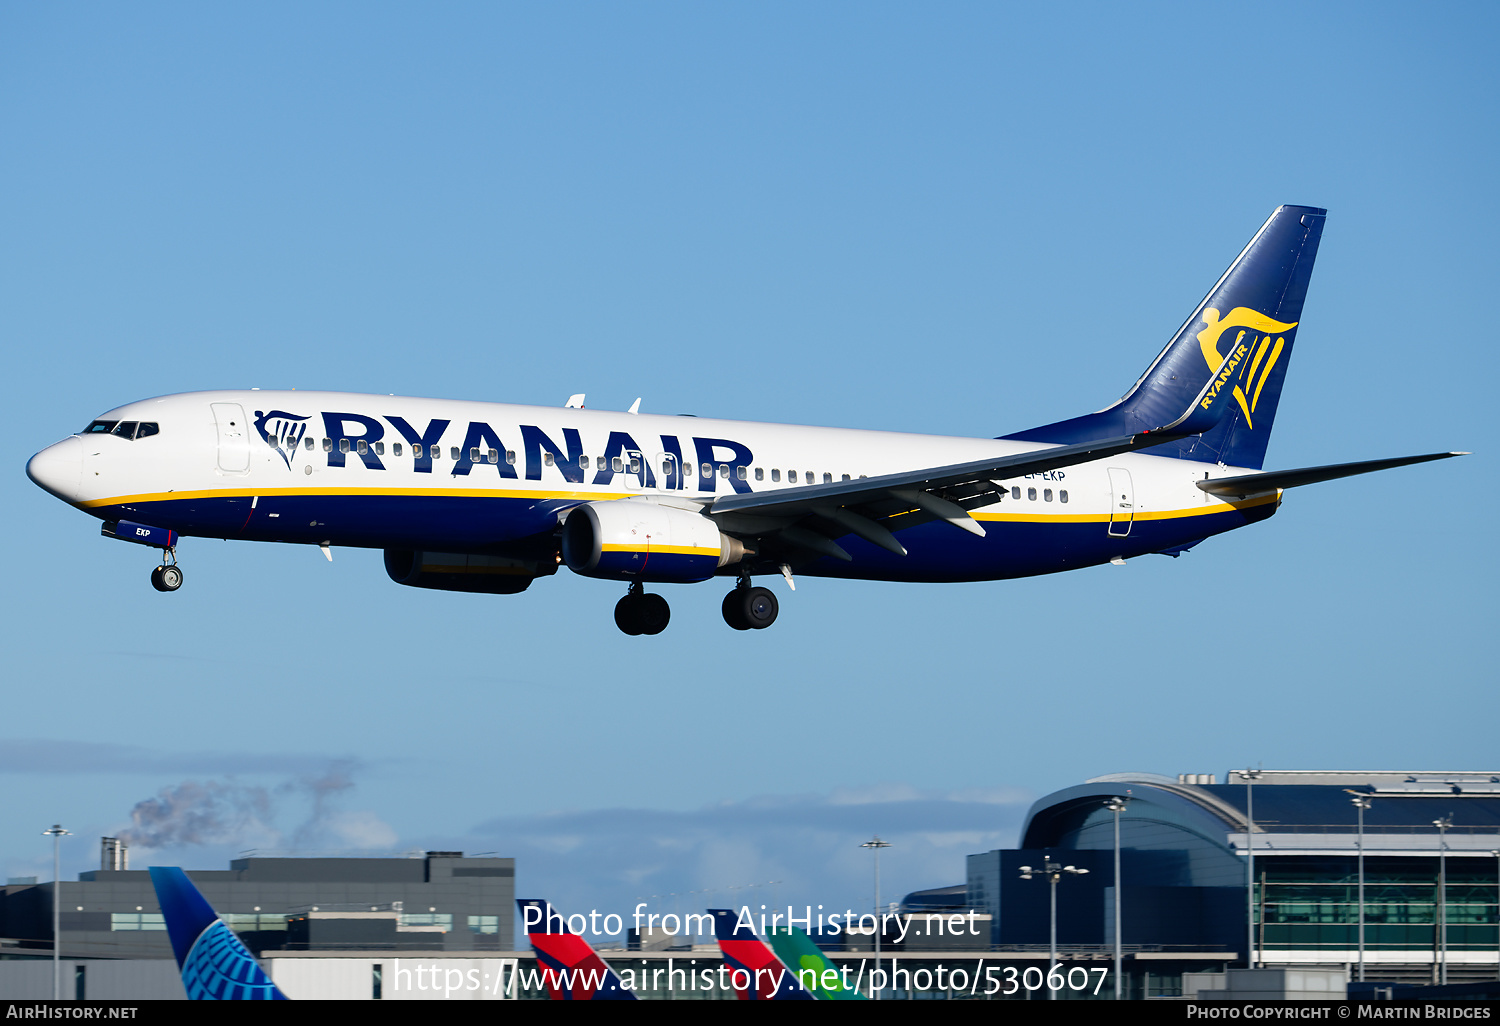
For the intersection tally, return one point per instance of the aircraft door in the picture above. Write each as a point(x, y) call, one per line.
point(637, 467)
point(1121, 502)
point(671, 470)
point(234, 437)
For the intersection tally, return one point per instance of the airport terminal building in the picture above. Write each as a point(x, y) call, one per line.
point(1431, 870)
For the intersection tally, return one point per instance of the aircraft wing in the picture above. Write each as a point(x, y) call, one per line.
point(875, 507)
point(1246, 485)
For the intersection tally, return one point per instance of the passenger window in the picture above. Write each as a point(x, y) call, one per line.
point(708, 470)
point(583, 463)
point(396, 449)
point(308, 444)
point(147, 429)
point(740, 473)
point(328, 445)
point(791, 475)
point(724, 471)
point(453, 453)
point(808, 476)
point(363, 447)
point(846, 477)
point(493, 456)
point(1046, 494)
point(343, 445)
point(547, 458)
point(1062, 496)
point(828, 479)
point(125, 429)
point(379, 448)
point(635, 464)
point(1031, 494)
point(775, 475)
point(760, 474)
point(1015, 493)
point(510, 456)
point(617, 465)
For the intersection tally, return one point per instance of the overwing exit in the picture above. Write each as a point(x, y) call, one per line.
point(489, 498)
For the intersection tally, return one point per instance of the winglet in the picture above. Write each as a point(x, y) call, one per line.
point(575, 402)
point(215, 965)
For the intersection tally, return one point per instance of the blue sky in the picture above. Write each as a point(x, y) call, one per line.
point(965, 219)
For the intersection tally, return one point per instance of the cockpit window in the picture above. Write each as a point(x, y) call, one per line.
point(127, 429)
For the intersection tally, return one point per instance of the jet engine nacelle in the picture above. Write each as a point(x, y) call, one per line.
point(457, 571)
point(634, 540)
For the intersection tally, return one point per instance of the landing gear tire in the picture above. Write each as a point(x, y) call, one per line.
point(166, 577)
point(748, 609)
point(625, 617)
point(640, 613)
point(734, 613)
point(652, 613)
point(761, 608)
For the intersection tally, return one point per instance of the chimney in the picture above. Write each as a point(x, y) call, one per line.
point(113, 853)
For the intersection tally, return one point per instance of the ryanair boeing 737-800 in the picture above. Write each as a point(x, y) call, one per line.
point(484, 497)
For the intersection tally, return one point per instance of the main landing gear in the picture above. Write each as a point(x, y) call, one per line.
point(640, 613)
point(746, 608)
point(167, 576)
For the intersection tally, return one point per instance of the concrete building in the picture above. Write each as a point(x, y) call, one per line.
point(440, 901)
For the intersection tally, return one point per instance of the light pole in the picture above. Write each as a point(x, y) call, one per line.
point(1361, 803)
point(1249, 776)
point(1053, 872)
point(57, 833)
point(875, 844)
point(1442, 896)
point(1117, 806)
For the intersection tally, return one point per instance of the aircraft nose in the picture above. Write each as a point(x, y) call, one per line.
point(59, 468)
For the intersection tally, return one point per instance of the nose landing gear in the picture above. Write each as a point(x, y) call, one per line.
point(746, 608)
point(167, 576)
point(640, 613)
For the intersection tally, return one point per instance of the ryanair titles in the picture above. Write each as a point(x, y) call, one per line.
point(372, 440)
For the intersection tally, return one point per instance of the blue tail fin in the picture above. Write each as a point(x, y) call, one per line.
point(1249, 319)
point(215, 965)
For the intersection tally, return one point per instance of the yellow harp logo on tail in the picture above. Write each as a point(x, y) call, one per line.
point(1255, 334)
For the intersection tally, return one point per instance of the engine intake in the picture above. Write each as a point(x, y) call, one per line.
point(629, 539)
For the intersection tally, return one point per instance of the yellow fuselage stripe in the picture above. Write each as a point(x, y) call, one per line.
point(586, 496)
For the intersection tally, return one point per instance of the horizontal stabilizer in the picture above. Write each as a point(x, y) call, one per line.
point(1246, 485)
